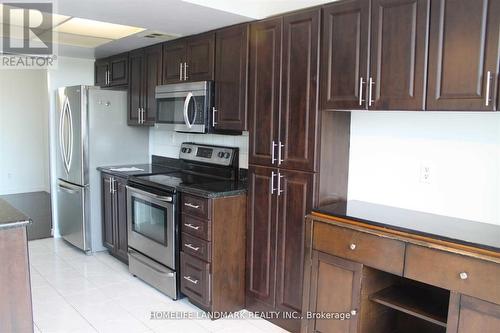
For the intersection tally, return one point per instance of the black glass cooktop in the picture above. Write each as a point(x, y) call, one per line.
point(174, 180)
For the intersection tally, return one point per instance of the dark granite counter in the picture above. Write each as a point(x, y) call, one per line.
point(216, 189)
point(477, 234)
point(144, 169)
point(10, 217)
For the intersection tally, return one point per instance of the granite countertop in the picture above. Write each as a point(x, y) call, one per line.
point(10, 217)
point(145, 169)
point(217, 189)
point(472, 233)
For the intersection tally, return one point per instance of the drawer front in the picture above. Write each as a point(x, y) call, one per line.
point(196, 247)
point(377, 252)
point(195, 279)
point(196, 227)
point(196, 206)
point(455, 272)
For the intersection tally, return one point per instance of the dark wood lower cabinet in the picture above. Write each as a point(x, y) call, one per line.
point(469, 315)
point(275, 240)
point(114, 215)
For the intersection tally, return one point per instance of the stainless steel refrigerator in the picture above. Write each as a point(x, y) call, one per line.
point(91, 130)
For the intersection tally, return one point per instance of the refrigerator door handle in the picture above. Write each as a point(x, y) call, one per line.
point(70, 151)
point(61, 133)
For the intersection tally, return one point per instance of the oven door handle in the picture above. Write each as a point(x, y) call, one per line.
point(186, 107)
point(149, 194)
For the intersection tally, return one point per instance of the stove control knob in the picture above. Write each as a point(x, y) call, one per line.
point(183, 150)
point(220, 154)
point(188, 150)
point(226, 155)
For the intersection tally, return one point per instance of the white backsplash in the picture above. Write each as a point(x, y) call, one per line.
point(167, 143)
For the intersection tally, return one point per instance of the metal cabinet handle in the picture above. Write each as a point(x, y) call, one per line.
point(180, 71)
point(189, 225)
point(273, 146)
point(272, 182)
point(370, 92)
point(352, 246)
point(214, 111)
point(138, 115)
point(190, 246)
point(113, 185)
point(464, 276)
point(279, 183)
point(185, 71)
point(361, 83)
point(488, 86)
point(280, 147)
point(188, 278)
point(354, 312)
point(188, 204)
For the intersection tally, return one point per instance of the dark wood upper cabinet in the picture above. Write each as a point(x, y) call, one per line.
point(231, 69)
point(299, 91)
point(174, 56)
point(261, 237)
point(398, 55)
point(264, 91)
point(463, 55)
point(344, 55)
point(294, 202)
point(145, 74)
point(200, 57)
point(112, 71)
point(189, 59)
point(335, 288)
point(114, 215)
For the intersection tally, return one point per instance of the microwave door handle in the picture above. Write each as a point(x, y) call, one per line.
point(186, 106)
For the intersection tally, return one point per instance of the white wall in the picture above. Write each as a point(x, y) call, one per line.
point(461, 149)
point(70, 71)
point(167, 143)
point(24, 152)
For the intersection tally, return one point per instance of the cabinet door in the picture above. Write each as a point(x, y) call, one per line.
point(468, 314)
point(344, 57)
point(231, 78)
point(398, 54)
point(299, 111)
point(264, 90)
point(261, 236)
point(135, 87)
point(152, 72)
point(200, 52)
point(100, 72)
point(121, 243)
point(294, 203)
point(174, 55)
point(463, 50)
point(107, 212)
point(335, 287)
point(118, 67)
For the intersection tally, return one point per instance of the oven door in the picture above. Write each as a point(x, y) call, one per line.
point(184, 106)
point(151, 224)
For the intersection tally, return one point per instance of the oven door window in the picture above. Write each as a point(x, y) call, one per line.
point(149, 220)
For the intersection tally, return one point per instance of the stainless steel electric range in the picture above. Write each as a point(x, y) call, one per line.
point(153, 212)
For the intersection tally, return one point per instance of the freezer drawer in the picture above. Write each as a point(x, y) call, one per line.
point(72, 214)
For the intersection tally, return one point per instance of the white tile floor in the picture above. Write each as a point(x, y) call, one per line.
point(75, 293)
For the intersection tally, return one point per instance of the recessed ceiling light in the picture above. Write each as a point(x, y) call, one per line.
point(85, 27)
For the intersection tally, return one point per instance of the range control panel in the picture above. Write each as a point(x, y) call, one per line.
point(208, 154)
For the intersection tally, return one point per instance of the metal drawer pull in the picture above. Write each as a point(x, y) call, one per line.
point(188, 278)
point(190, 246)
point(189, 225)
point(188, 204)
point(352, 246)
point(464, 276)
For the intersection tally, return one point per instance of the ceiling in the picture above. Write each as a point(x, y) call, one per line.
point(171, 18)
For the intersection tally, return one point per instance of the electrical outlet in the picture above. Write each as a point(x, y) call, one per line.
point(425, 174)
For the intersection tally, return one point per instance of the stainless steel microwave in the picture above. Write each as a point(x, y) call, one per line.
point(186, 107)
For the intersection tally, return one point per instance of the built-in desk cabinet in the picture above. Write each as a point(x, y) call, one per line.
point(394, 282)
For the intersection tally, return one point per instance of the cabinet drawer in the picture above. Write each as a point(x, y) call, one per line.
point(195, 279)
point(196, 206)
point(445, 270)
point(377, 252)
point(196, 247)
point(196, 227)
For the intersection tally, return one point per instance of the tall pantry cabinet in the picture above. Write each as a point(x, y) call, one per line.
point(283, 118)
